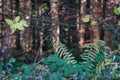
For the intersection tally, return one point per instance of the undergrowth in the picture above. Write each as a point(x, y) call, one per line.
point(98, 63)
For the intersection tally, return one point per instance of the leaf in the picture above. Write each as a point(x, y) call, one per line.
point(12, 60)
point(53, 67)
point(93, 22)
point(17, 19)
point(60, 62)
point(66, 29)
point(19, 27)
point(100, 57)
point(117, 11)
point(86, 18)
point(50, 59)
point(110, 28)
point(115, 43)
point(1, 65)
point(23, 22)
point(118, 23)
point(44, 6)
point(66, 73)
point(9, 21)
point(53, 58)
point(56, 76)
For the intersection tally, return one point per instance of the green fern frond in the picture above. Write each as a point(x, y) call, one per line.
point(92, 53)
point(63, 52)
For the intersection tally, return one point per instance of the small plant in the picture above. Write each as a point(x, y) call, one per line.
point(16, 24)
point(117, 10)
point(86, 18)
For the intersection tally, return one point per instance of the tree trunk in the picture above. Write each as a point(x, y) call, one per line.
point(96, 7)
point(82, 25)
point(54, 21)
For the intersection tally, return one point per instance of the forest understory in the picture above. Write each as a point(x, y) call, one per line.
point(59, 39)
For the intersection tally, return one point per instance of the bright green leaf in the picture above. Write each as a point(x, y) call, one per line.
point(86, 18)
point(23, 22)
point(117, 10)
point(93, 22)
point(9, 21)
point(19, 26)
point(17, 19)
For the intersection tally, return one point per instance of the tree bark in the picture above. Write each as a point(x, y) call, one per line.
point(81, 30)
point(54, 21)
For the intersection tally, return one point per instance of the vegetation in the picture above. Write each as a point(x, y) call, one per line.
point(60, 40)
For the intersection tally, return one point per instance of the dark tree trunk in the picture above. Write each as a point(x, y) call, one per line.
point(17, 6)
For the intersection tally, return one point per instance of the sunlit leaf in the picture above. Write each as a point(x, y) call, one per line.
point(19, 26)
point(117, 10)
point(86, 18)
point(17, 19)
point(9, 21)
point(93, 22)
point(66, 29)
point(23, 22)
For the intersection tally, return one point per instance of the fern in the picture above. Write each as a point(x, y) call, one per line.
point(94, 54)
point(63, 52)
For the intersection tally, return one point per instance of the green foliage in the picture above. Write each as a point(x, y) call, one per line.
point(34, 13)
point(93, 56)
point(100, 60)
point(117, 51)
point(115, 43)
point(16, 24)
point(66, 29)
point(117, 10)
point(118, 23)
point(64, 53)
point(86, 18)
point(112, 29)
point(93, 22)
point(58, 65)
point(1, 65)
point(11, 61)
point(45, 6)
point(98, 64)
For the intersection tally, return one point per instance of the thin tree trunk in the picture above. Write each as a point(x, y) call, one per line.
point(17, 7)
point(96, 7)
point(1, 20)
point(54, 21)
point(81, 29)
